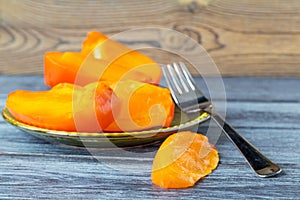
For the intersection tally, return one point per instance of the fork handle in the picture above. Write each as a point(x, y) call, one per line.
point(260, 164)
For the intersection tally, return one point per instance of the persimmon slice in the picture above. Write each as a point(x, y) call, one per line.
point(183, 159)
point(64, 106)
point(143, 106)
point(102, 59)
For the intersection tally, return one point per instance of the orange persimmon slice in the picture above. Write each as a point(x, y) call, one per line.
point(102, 59)
point(66, 107)
point(143, 106)
point(183, 159)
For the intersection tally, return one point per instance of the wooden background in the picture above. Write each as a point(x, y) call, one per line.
point(244, 37)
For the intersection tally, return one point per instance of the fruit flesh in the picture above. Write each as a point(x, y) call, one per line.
point(99, 59)
point(62, 106)
point(143, 106)
point(183, 159)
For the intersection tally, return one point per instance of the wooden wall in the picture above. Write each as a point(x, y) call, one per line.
point(244, 37)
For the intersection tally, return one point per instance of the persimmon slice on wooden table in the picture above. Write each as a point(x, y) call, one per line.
point(183, 159)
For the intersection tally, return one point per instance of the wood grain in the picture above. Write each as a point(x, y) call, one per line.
point(31, 168)
point(244, 38)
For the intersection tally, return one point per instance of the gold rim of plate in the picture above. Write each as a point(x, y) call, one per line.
point(163, 132)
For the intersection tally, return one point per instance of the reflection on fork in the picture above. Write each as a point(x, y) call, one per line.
point(190, 99)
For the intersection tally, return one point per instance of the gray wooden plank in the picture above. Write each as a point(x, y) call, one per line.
point(236, 88)
point(285, 152)
point(30, 82)
point(259, 89)
point(266, 115)
point(41, 177)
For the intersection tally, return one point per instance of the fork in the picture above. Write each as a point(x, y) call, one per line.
point(189, 98)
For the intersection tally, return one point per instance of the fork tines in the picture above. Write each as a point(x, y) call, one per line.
point(183, 88)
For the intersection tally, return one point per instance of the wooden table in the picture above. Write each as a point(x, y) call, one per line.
point(265, 110)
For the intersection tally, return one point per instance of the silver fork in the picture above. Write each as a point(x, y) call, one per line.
point(190, 99)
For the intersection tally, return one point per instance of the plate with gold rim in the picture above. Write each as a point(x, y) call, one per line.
point(181, 122)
